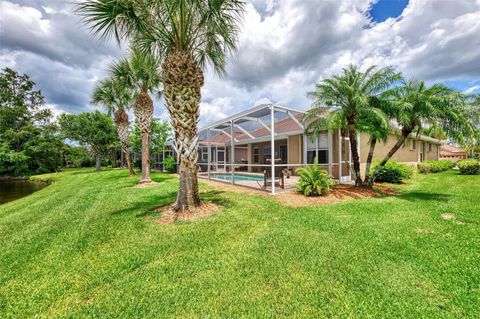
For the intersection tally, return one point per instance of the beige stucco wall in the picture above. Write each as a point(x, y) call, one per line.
point(295, 149)
point(405, 154)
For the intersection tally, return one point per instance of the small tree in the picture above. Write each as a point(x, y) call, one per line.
point(95, 130)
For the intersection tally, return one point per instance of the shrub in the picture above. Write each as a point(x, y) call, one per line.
point(469, 167)
point(435, 166)
point(169, 164)
point(391, 172)
point(313, 180)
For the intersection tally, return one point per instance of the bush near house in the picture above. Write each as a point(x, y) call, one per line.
point(170, 164)
point(313, 181)
point(391, 172)
point(469, 167)
point(435, 166)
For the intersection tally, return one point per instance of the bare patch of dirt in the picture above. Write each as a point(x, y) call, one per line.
point(419, 230)
point(448, 216)
point(337, 194)
point(206, 209)
point(145, 185)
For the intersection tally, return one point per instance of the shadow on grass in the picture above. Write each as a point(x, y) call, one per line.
point(148, 207)
point(424, 196)
point(215, 196)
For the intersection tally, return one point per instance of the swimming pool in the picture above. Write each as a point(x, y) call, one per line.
point(238, 177)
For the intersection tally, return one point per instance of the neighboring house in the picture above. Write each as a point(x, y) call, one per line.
point(452, 152)
point(253, 136)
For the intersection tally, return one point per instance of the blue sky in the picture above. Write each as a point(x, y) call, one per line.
point(384, 9)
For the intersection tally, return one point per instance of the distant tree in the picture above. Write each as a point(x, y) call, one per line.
point(29, 142)
point(116, 99)
point(94, 130)
point(77, 156)
point(160, 133)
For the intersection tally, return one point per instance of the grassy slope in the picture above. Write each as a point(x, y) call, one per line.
point(85, 247)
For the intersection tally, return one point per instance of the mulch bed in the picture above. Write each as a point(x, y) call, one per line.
point(206, 209)
point(146, 184)
point(337, 194)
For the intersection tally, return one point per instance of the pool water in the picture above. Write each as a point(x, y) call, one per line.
point(239, 177)
point(15, 189)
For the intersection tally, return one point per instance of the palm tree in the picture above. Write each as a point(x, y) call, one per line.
point(348, 96)
point(140, 73)
point(378, 127)
point(116, 99)
point(417, 105)
point(187, 35)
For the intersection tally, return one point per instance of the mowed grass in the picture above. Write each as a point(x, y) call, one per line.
point(86, 247)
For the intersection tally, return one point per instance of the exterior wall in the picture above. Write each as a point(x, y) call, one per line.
point(295, 149)
point(405, 154)
point(433, 154)
point(261, 158)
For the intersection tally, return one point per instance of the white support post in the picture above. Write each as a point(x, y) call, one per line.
point(163, 158)
point(209, 150)
point(272, 145)
point(232, 153)
point(305, 141)
point(330, 153)
point(340, 142)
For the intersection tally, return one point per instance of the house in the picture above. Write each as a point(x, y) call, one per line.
point(253, 137)
point(452, 152)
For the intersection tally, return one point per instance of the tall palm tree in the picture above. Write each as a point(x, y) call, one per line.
point(417, 105)
point(141, 73)
point(348, 96)
point(187, 35)
point(116, 99)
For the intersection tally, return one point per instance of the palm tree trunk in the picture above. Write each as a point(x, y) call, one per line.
point(143, 115)
point(183, 80)
point(373, 142)
point(122, 123)
point(129, 162)
point(396, 147)
point(145, 159)
point(98, 161)
point(356, 159)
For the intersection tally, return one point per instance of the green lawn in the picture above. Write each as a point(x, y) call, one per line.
point(86, 247)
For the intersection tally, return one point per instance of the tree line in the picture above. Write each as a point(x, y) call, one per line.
point(32, 141)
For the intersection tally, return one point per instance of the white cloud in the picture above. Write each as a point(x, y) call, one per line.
point(284, 48)
point(473, 89)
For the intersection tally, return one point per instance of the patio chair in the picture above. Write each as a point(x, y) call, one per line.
point(278, 179)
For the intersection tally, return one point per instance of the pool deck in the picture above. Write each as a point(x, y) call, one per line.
point(254, 185)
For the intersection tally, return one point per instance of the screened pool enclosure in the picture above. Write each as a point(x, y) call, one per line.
point(263, 146)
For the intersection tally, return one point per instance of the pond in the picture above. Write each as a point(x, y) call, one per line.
point(15, 189)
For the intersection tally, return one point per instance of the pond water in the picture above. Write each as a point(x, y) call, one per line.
point(15, 189)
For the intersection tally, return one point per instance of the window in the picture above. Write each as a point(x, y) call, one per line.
point(414, 144)
point(267, 152)
point(255, 154)
point(429, 147)
point(204, 154)
point(319, 144)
